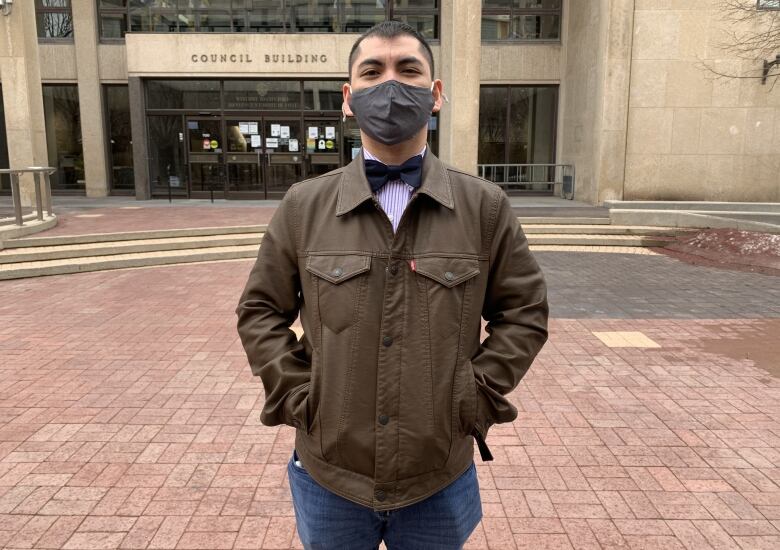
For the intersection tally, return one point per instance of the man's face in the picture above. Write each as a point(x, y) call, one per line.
point(379, 59)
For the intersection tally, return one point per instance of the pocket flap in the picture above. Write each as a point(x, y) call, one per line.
point(338, 268)
point(447, 271)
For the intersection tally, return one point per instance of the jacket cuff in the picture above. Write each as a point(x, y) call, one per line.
point(297, 408)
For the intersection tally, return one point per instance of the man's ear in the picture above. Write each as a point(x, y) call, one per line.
point(438, 95)
point(346, 94)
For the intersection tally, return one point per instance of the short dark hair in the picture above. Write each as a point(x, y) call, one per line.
point(391, 29)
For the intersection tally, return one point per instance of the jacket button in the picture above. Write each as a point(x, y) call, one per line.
point(338, 272)
point(387, 341)
point(380, 495)
point(449, 275)
point(394, 269)
point(384, 419)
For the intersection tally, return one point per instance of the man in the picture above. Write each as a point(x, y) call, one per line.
point(391, 261)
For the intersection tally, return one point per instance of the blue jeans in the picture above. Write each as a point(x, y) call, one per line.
point(326, 521)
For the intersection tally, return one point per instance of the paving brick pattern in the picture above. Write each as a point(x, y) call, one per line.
point(129, 419)
point(653, 287)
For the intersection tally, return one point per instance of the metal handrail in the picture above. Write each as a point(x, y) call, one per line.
point(42, 195)
point(507, 175)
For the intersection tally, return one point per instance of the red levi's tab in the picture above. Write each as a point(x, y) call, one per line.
point(413, 265)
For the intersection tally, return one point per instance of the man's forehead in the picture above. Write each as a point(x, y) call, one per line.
point(389, 49)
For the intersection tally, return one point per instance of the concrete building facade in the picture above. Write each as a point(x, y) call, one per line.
point(240, 98)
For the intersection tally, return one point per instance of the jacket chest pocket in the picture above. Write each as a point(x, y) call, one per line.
point(340, 281)
point(444, 285)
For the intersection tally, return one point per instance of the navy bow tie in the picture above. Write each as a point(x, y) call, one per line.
point(410, 172)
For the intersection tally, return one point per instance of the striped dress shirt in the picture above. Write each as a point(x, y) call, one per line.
point(394, 195)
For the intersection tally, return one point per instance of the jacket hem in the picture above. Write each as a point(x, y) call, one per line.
point(360, 489)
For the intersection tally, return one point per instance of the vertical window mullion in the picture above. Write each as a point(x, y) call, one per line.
point(507, 135)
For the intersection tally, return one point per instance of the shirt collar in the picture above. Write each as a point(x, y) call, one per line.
point(368, 156)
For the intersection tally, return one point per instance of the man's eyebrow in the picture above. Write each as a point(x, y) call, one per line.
point(410, 60)
point(374, 62)
point(371, 61)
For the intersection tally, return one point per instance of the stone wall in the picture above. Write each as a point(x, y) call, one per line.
point(691, 135)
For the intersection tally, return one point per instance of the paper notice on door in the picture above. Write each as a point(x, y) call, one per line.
point(284, 131)
point(330, 132)
point(313, 132)
point(271, 143)
point(252, 128)
point(256, 141)
point(293, 145)
point(276, 130)
point(243, 127)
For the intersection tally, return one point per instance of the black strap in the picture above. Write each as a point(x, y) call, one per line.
point(484, 452)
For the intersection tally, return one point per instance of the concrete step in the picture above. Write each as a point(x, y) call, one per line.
point(131, 235)
point(60, 247)
point(11, 220)
point(598, 240)
point(695, 206)
point(119, 261)
point(110, 248)
point(524, 221)
point(58, 266)
point(203, 231)
point(699, 220)
point(603, 230)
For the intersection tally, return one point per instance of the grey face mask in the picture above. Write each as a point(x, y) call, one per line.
point(392, 112)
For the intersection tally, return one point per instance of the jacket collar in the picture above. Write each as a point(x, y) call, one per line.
point(354, 188)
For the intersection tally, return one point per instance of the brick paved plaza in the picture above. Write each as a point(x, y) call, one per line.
point(129, 417)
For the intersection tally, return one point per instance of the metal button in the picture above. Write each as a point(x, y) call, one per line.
point(380, 495)
point(338, 272)
point(394, 269)
point(449, 275)
point(387, 341)
point(384, 419)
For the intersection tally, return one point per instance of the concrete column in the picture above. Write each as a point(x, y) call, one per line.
point(140, 139)
point(460, 61)
point(595, 94)
point(618, 40)
point(22, 98)
point(93, 128)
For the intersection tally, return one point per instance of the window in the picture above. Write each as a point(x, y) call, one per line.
point(266, 95)
point(54, 19)
point(118, 17)
point(517, 124)
point(120, 138)
point(63, 136)
point(322, 95)
point(183, 94)
point(768, 5)
point(521, 20)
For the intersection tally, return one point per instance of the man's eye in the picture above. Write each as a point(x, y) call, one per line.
point(369, 73)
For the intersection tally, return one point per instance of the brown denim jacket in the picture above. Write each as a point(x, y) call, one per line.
point(389, 385)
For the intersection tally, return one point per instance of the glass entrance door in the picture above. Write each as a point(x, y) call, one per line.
point(245, 156)
point(167, 157)
point(207, 169)
point(283, 154)
point(323, 145)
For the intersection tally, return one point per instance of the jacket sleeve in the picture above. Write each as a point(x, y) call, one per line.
point(268, 306)
point(516, 312)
